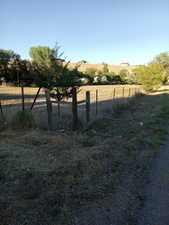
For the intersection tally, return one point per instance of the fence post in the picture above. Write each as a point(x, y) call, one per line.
point(1, 109)
point(87, 106)
point(96, 101)
point(114, 93)
point(74, 109)
point(49, 108)
point(23, 100)
point(129, 92)
point(123, 92)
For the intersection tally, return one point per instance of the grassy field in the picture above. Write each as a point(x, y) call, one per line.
point(64, 178)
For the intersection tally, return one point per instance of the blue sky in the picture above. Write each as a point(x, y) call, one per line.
point(98, 31)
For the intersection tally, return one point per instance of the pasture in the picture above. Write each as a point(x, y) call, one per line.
point(103, 98)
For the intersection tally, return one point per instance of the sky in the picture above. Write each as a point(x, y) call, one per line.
point(110, 31)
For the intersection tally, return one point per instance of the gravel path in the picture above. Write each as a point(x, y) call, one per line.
point(156, 206)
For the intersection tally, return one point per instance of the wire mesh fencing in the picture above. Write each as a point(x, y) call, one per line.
point(92, 102)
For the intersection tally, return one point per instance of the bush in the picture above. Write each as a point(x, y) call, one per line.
point(123, 75)
point(23, 119)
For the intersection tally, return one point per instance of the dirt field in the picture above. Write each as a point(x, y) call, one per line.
point(108, 96)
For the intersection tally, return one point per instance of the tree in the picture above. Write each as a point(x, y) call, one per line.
point(7, 57)
point(20, 72)
point(45, 64)
point(105, 69)
point(151, 77)
point(123, 75)
point(110, 76)
point(51, 73)
point(162, 58)
point(90, 74)
point(163, 61)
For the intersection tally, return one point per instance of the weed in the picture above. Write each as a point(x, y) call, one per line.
point(23, 119)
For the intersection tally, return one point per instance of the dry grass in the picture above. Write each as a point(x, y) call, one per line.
point(59, 173)
point(11, 103)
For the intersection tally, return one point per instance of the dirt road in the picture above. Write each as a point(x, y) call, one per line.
point(156, 205)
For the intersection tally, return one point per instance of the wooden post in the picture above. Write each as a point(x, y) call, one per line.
point(96, 101)
point(87, 106)
point(123, 92)
point(34, 101)
point(74, 109)
point(23, 100)
point(1, 109)
point(129, 92)
point(114, 93)
point(49, 109)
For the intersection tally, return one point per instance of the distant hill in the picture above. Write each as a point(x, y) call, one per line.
point(112, 68)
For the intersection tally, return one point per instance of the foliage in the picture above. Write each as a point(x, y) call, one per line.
point(23, 119)
point(20, 72)
point(65, 83)
point(51, 73)
point(105, 69)
point(123, 74)
point(45, 65)
point(163, 60)
point(13, 69)
point(110, 77)
point(90, 73)
point(7, 56)
point(48, 68)
point(131, 78)
point(151, 77)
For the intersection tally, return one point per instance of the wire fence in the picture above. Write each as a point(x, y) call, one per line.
point(92, 102)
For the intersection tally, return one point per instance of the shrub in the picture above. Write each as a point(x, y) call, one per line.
point(23, 119)
point(123, 75)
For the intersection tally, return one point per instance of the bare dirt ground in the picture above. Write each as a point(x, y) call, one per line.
point(156, 205)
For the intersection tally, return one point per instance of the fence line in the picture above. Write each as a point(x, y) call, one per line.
point(84, 106)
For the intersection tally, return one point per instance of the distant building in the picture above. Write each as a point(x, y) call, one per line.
point(125, 64)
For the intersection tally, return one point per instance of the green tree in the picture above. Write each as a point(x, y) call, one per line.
point(19, 72)
point(50, 72)
point(151, 77)
point(105, 69)
point(162, 58)
point(7, 57)
point(90, 73)
point(123, 74)
point(110, 76)
point(163, 61)
point(45, 64)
